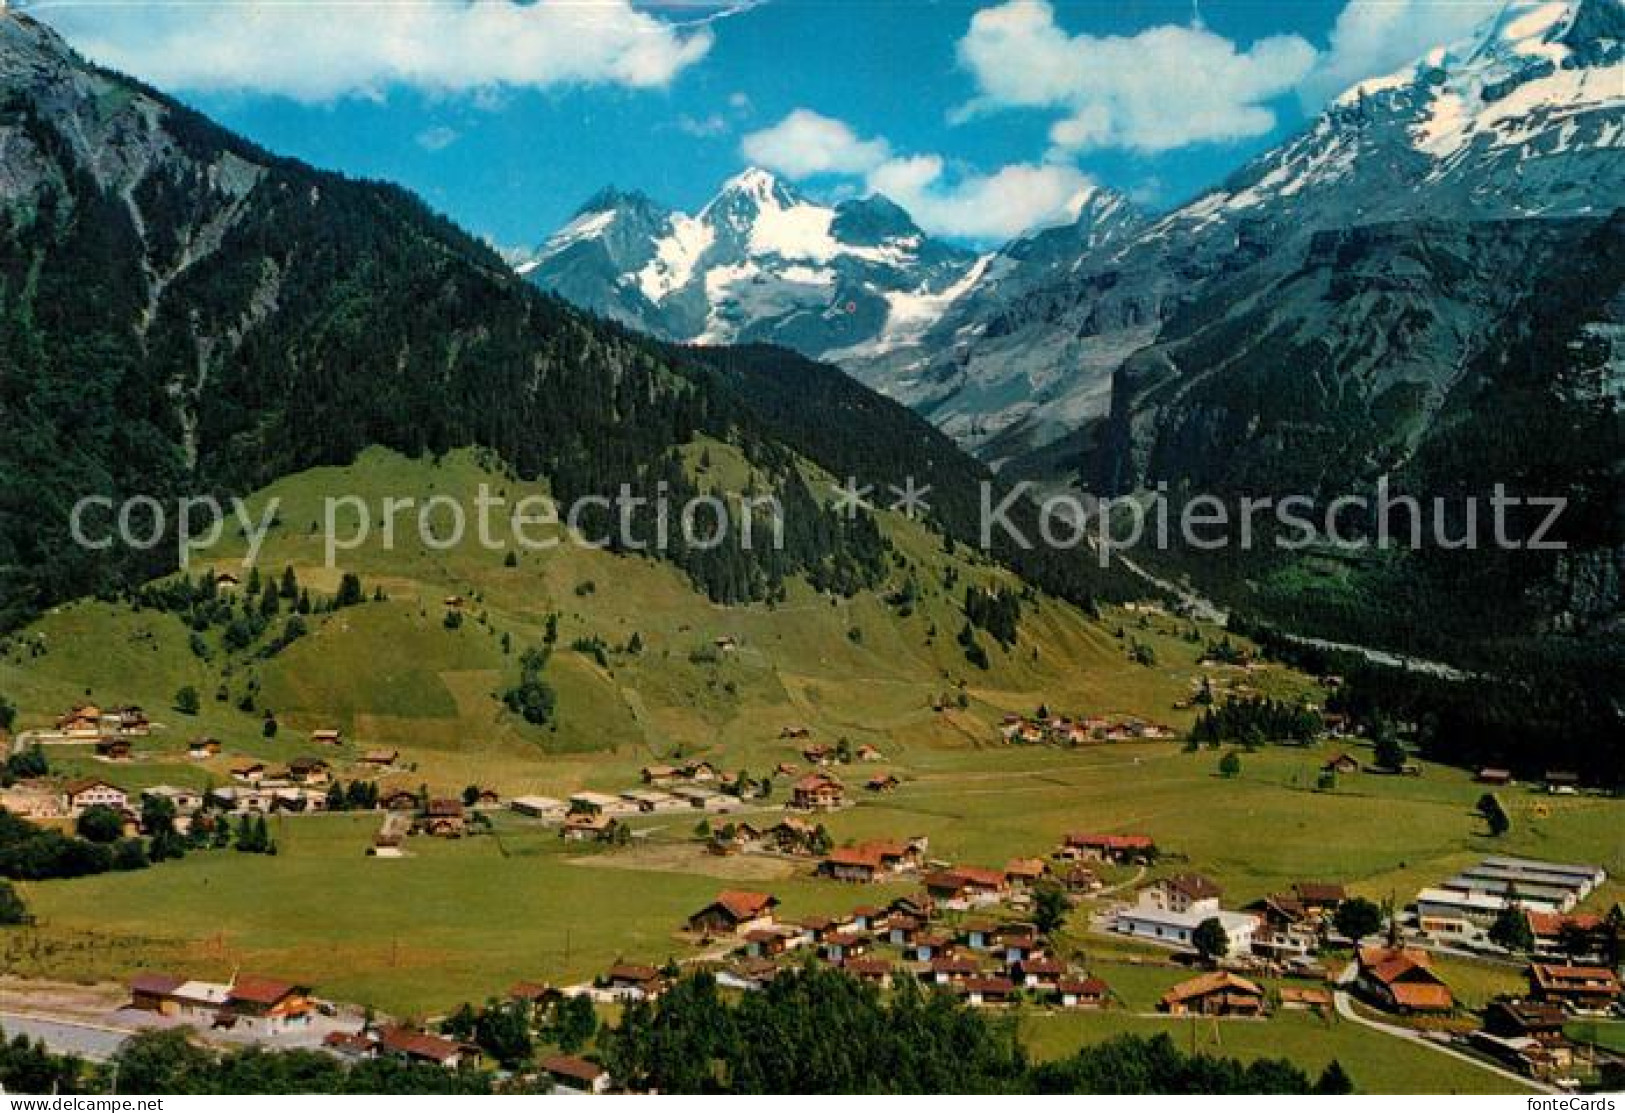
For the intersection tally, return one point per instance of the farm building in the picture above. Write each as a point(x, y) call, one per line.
point(83, 721)
point(155, 992)
point(589, 828)
point(597, 803)
point(255, 1004)
point(1022, 873)
point(539, 807)
point(113, 748)
point(1218, 993)
point(633, 981)
point(416, 1046)
point(852, 863)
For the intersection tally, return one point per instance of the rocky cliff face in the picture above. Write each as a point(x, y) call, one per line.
point(1525, 120)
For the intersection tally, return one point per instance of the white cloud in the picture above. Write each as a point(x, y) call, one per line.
point(997, 206)
point(318, 53)
point(708, 126)
point(1164, 88)
point(966, 205)
point(437, 137)
point(1372, 38)
point(806, 144)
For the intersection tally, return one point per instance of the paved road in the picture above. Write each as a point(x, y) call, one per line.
point(1208, 611)
point(1346, 1009)
point(88, 1041)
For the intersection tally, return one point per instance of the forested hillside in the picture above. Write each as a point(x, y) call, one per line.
point(184, 312)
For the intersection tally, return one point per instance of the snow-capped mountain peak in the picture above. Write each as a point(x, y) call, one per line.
point(757, 187)
point(1536, 64)
point(758, 261)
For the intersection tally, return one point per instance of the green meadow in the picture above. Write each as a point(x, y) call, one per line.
point(460, 920)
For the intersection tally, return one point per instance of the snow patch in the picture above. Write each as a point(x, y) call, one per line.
point(676, 256)
point(584, 227)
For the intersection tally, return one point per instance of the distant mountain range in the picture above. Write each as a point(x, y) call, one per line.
point(1014, 350)
point(759, 262)
point(1346, 305)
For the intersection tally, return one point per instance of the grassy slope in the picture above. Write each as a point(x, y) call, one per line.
point(461, 920)
point(392, 674)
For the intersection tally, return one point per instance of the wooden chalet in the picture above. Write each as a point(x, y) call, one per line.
point(444, 818)
point(1122, 849)
point(585, 827)
point(572, 1072)
point(417, 1046)
point(817, 792)
point(634, 979)
point(983, 992)
point(1589, 989)
point(1082, 993)
point(1217, 993)
point(734, 912)
point(1401, 979)
point(203, 748)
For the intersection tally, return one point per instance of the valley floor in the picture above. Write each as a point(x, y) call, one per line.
point(461, 920)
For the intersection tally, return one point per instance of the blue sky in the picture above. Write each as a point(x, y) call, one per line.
point(981, 117)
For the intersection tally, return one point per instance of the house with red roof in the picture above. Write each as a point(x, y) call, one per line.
point(817, 792)
point(577, 1075)
point(1401, 979)
point(1082, 993)
point(1587, 989)
point(965, 886)
point(852, 863)
point(269, 1005)
point(416, 1046)
point(985, 992)
point(734, 912)
point(1122, 849)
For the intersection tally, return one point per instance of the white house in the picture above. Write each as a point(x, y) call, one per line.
point(88, 793)
point(1170, 912)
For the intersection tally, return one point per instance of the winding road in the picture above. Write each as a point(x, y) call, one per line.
point(1207, 610)
point(1346, 1010)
